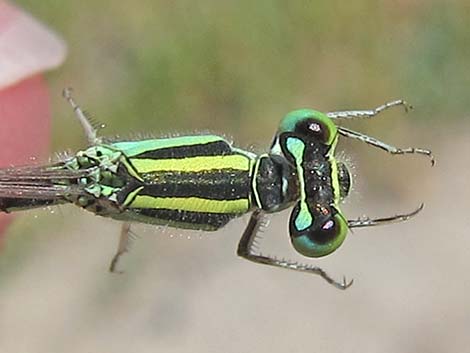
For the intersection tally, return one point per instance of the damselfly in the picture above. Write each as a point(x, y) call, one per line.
point(203, 181)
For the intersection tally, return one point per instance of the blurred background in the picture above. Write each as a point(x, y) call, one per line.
point(236, 68)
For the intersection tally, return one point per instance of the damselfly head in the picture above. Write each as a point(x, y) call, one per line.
point(308, 139)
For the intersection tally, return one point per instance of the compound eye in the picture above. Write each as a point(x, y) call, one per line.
point(327, 231)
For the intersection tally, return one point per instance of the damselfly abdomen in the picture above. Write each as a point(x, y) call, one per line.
point(202, 182)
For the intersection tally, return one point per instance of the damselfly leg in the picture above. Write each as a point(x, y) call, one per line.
point(368, 113)
point(123, 247)
point(89, 127)
point(382, 145)
point(370, 222)
point(245, 250)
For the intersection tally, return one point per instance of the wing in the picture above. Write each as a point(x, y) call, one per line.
point(38, 186)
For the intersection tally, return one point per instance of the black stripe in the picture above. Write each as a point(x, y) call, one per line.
point(216, 148)
point(192, 219)
point(317, 174)
point(121, 195)
point(215, 185)
point(269, 183)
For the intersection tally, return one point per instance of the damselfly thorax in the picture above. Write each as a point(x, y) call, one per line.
point(203, 182)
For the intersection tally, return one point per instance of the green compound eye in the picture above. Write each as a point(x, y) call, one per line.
point(310, 123)
point(325, 234)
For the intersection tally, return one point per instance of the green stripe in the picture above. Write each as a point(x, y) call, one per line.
point(334, 180)
point(192, 164)
point(130, 196)
point(254, 186)
point(304, 218)
point(134, 148)
point(193, 204)
point(334, 171)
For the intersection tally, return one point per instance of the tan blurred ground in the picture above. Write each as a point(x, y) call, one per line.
point(179, 295)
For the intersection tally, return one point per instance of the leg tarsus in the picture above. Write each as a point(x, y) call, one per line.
point(368, 222)
point(382, 145)
point(368, 113)
point(245, 250)
point(123, 247)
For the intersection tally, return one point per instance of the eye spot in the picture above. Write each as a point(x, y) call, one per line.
point(315, 127)
point(328, 225)
point(99, 153)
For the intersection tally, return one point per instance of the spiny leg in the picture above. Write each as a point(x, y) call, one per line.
point(89, 128)
point(123, 247)
point(369, 113)
point(388, 148)
point(368, 222)
point(245, 250)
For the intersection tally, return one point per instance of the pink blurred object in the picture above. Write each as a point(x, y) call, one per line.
point(27, 48)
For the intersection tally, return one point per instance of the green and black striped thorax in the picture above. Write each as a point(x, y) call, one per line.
point(196, 182)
